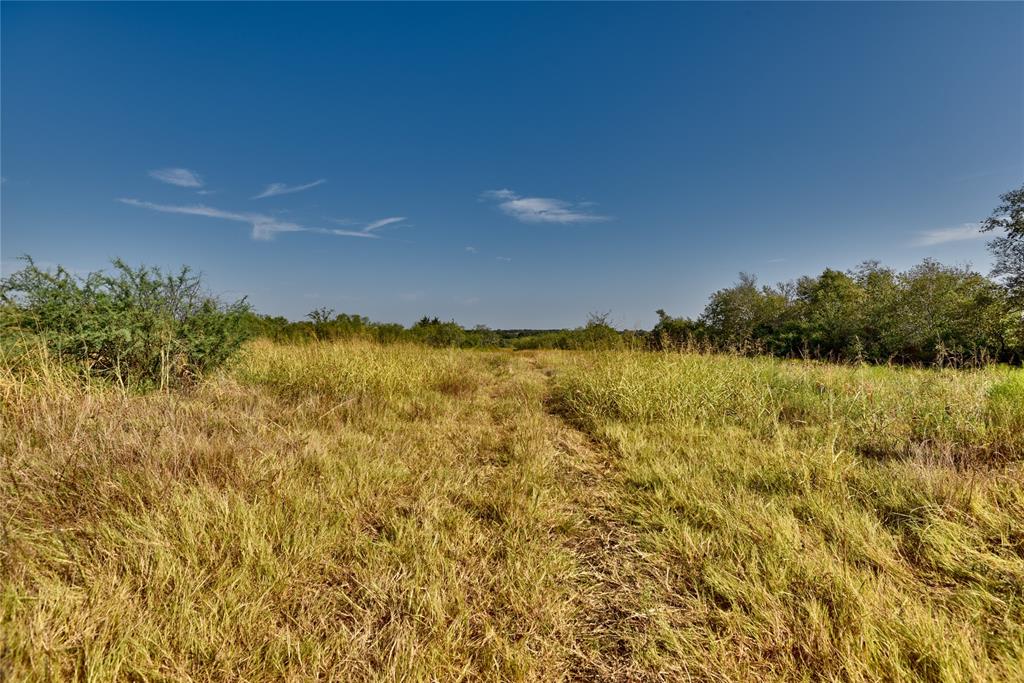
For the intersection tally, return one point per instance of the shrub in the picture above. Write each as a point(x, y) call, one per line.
point(433, 332)
point(141, 327)
point(929, 314)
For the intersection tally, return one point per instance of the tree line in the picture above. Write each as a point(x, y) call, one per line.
point(323, 324)
point(929, 314)
point(144, 327)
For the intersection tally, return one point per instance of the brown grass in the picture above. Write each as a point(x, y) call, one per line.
point(357, 512)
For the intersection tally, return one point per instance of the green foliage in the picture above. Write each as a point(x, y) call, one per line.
point(596, 335)
point(677, 333)
point(321, 326)
point(1009, 215)
point(433, 332)
point(141, 326)
point(1008, 249)
point(738, 316)
point(929, 314)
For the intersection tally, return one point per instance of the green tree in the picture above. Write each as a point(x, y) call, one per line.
point(743, 315)
point(598, 333)
point(948, 314)
point(320, 316)
point(877, 338)
point(1008, 249)
point(830, 310)
point(676, 333)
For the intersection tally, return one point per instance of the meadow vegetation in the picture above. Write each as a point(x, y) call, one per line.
point(357, 511)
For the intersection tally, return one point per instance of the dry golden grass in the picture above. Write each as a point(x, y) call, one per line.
point(812, 521)
point(357, 512)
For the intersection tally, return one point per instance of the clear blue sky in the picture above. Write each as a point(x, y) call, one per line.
point(546, 160)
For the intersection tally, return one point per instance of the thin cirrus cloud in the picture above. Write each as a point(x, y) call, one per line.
point(367, 229)
point(275, 189)
point(962, 233)
point(541, 209)
point(382, 222)
point(264, 227)
point(182, 177)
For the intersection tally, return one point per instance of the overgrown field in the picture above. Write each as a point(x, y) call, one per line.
point(360, 512)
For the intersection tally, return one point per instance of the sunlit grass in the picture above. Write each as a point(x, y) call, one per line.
point(965, 417)
point(856, 523)
point(361, 512)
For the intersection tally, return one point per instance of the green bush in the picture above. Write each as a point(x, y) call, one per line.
point(140, 327)
point(596, 335)
point(930, 314)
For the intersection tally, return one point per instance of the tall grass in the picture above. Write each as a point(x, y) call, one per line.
point(265, 526)
point(360, 512)
point(806, 520)
point(964, 417)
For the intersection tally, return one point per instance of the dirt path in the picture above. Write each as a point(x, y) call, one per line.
point(618, 597)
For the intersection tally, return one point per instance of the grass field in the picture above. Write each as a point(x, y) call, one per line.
point(359, 512)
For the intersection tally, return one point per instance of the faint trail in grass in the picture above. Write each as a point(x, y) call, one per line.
point(620, 603)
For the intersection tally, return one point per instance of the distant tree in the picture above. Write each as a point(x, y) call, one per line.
point(483, 336)
point(744, 315)
point(433, 332)
point(1008, 249)
point(387, 333)
point(948, 314)
point(929, 314)
point(675, 333)
point(598, 333)
point(321, 316)
point(877, 338)
point(831, 307)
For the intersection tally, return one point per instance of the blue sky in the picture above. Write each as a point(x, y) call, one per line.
point(504, 164)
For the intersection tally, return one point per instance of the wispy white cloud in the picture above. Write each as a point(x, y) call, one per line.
point(182, 177)
point(502, 258)
point(346, 233)
point(370, 227)
point(471, 250)
point(275, 189)
point(962, 233)
point(264, 227)
point(365, 229)
point(541, 209)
